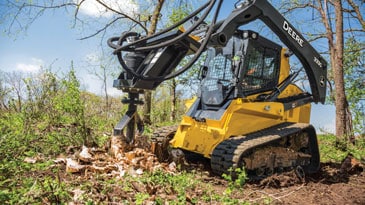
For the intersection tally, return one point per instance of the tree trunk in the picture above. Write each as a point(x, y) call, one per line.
point(336, 47)
point(343, 116)
point(107, 105)
point(147, 107)
point(173, 100)
point(147, 94)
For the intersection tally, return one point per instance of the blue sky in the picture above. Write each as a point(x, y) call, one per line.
point(51, 40)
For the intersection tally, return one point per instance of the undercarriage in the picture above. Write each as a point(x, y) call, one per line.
point(288, 146)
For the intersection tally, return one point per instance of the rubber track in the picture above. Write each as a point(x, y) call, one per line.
point(164, 132)
point(228, 153)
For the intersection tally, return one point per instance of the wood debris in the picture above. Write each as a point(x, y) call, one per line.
point(350, 164)
point(120, 159)
point(30, 160)
point(33, 160)
point(73, 166)
point(85, 155)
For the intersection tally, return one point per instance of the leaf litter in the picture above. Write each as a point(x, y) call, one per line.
point(335, 183)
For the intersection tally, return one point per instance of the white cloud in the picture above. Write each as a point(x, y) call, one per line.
point(32, 66)
point(95, 9)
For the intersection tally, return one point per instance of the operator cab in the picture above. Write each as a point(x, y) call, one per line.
point(248, 64)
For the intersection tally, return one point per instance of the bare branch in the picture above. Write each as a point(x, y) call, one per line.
point(15, 19)
point(27, 7)
point(358, 13)
point(34, 10)
point(299, 6)
point(102, 29)
point(123, 14)
point(317, 37)
point(77, 12)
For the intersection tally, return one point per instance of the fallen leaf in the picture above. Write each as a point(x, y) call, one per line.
point(151, 189)
point(135, 161)
point(30, 160)
point(59, 160)
point(73, 166)
point(130, 155)
point(139, 171)
point(137, 187)
point(105, 169)
point(172, 167)
point(85, 155)
point(77, 193)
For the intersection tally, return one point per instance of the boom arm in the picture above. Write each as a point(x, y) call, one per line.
point(315, 66)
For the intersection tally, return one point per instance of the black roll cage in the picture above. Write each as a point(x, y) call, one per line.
point(315, 66)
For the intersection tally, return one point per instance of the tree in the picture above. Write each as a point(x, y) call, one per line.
point(128, 14)
point(4, 92)
point(336, 47)
point(354, 64)
point(16, 84)
point(147, 95)
point(18, 16)
point(176, 15)
point(100, 67)
point(335, 33)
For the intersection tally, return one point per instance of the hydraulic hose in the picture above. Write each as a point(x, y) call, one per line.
point(180, 37)
point(129, 47)
point(178, 72)
point(120, 39)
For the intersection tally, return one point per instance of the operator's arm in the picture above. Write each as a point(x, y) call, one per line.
point(315, 66)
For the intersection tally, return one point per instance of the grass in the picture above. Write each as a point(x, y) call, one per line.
point(332, 151)
point(42, 182)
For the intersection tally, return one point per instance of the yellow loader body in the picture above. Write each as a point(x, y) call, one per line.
point(242, 116)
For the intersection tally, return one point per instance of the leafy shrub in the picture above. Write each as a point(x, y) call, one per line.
point(333, 151)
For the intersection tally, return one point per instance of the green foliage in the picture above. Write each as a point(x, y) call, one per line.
point(52, 117)
point(52, 114)
point(168, 106)
point(141, 197)
point(357, 150)
point(236, 179)
point(179, 13)
point(333, 151)
point(173, 184)
point(161, 110)
point(70, 103)
point(48, 189)
point(12, 137)
point(178, 185)
point(328, 149)
point(22, 184)
point(354, 59)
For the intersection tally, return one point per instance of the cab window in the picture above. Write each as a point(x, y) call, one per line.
point(261, 70)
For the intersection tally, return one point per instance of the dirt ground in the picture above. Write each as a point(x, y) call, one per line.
point(335, 183)
point(328, 186)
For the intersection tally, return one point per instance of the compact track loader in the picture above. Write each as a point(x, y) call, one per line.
point(248, 113)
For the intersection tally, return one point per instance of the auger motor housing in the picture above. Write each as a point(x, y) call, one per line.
point(151, 66)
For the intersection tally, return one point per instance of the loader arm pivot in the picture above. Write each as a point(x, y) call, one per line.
point(315, 66)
